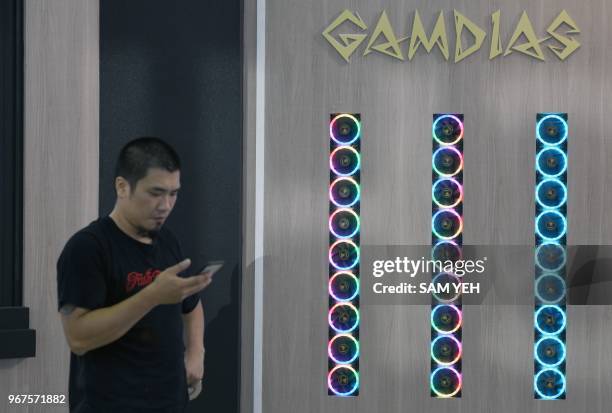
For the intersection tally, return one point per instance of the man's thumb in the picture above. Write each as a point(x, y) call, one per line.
point(181, 266)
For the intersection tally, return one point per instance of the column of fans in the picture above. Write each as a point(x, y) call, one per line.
point(344, 197)
point(550, 256)
point(447, 241)
point(447, 228)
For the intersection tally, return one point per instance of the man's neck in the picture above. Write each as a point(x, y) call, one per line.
point(128, 228)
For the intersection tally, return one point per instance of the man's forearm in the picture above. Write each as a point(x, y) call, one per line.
point(193, 324)
point(99, 327)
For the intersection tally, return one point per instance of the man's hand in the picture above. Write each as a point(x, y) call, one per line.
point(194, 367)
point(169, 288)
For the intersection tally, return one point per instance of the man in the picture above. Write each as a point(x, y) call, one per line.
point(134, 325)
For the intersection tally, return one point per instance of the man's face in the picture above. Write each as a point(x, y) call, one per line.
point(148, 205)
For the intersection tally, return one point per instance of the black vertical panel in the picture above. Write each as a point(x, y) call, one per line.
point(173, 70)
point(11, 152)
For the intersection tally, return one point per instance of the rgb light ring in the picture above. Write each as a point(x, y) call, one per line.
point(537, 288)
point(331, 220)
point(459, 352)
point(447, 148)
point(433, 130)
point(539, 137)
point(333, 122)
point(538, 262)
point(537, 193)
point(459, 317)
point(561, 345)
point(433, 191)
point(331, 387)
point(446, 300)
point(558, 214)
point(331, 282)
point(563, 320)
point(355, 261)
point(551, 148)
point(450, 242)
point(331, 354)
point(442, 395)
point(556, 372)
point(330, 321)
point(453, 212)
point(331, 162)
point(331, 196)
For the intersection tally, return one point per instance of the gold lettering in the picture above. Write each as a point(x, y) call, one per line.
point(496, 46)
point(438, 36)
point(350, 42)
point(524, 27)
point(391, 47)
point(384, 40)
point(479, 35)
point(569, 44)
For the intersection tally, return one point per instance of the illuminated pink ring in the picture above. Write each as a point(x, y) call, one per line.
point(453, 212)
point(459, 200)
point(459, 322)
point(333, 122)
point(331, 196)
point(459, 346)
point(331, 162)
point(447, 148)
point(331, 281)
point(331, 220)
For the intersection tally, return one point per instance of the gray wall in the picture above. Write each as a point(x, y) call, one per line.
point(60, 178)
point(306, 80)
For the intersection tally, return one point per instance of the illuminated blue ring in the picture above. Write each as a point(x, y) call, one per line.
point(543, 396)
point(334, 120)
point(548, 269)
point(535, 351)
point(551, 211)
point(538, 130)
point(451, 242)
point(456, 214)
point(553, 148)
point(348, 393)
point(563, 325)
point(357, 167)
point(549, 274)
point(357, 320)
point(351, 180)
point(455, 297)
point(444, 148)
point(353, 264)
point(563, 201)
point(435, 390)
point(344, 210)
point(331, 290)
point(433, 130)
point(457, 311)
point(331, 356)
point(433, 192)
point(457, 357)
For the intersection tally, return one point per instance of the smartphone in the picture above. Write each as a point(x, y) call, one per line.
point(211, 267)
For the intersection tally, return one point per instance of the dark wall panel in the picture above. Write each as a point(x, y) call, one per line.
point(173, 70)
point(11, 151)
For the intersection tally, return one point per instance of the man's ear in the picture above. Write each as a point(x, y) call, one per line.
point(122, 187)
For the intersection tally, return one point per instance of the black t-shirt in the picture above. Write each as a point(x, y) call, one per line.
point(144, 369)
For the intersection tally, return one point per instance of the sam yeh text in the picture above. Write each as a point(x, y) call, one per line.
point(427, 288)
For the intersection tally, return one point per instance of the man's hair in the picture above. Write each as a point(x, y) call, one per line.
point(140, 154)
